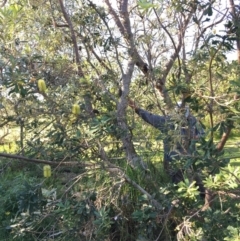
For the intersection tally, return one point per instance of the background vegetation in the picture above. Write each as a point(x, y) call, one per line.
point(107, 180)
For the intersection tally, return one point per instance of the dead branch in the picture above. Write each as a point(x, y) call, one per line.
point(39, 161)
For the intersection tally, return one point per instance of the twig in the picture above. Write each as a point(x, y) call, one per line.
point(164, 223)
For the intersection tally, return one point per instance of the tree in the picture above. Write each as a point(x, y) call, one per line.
point(92, 58)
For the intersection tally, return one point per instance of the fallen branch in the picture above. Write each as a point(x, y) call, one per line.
point(40, 161)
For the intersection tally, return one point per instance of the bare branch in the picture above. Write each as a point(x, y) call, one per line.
point(129, 38)
point(39, 161)
point(110, 32)
point(177, 48)
point(206, 28)
point(125, 30)
point(116, 18)
point(232, 7)
point(160, 85)
point(4, 3)
point(75, 46)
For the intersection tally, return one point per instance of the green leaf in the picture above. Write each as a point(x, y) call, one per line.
point(145, 5)
point(78, 134)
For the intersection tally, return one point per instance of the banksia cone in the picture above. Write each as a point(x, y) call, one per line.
point(47, 171)
point(76, 109)
point(42, 85)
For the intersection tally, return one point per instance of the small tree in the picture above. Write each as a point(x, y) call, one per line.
point(67, 71)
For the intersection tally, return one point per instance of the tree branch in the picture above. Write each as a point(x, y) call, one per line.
point(39, 161)
point(110, 32)
point(103, 155)
point(125, 29)
point(4, 3)
point(115, 17)
point(129, 38)
point(74, 40)
point(224, 139)
point(126, 136)
point(206, 28)
point(160, 85)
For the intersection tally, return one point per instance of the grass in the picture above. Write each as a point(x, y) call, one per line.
point(232, 151)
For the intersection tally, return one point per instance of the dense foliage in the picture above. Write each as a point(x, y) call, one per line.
point(67, 70)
